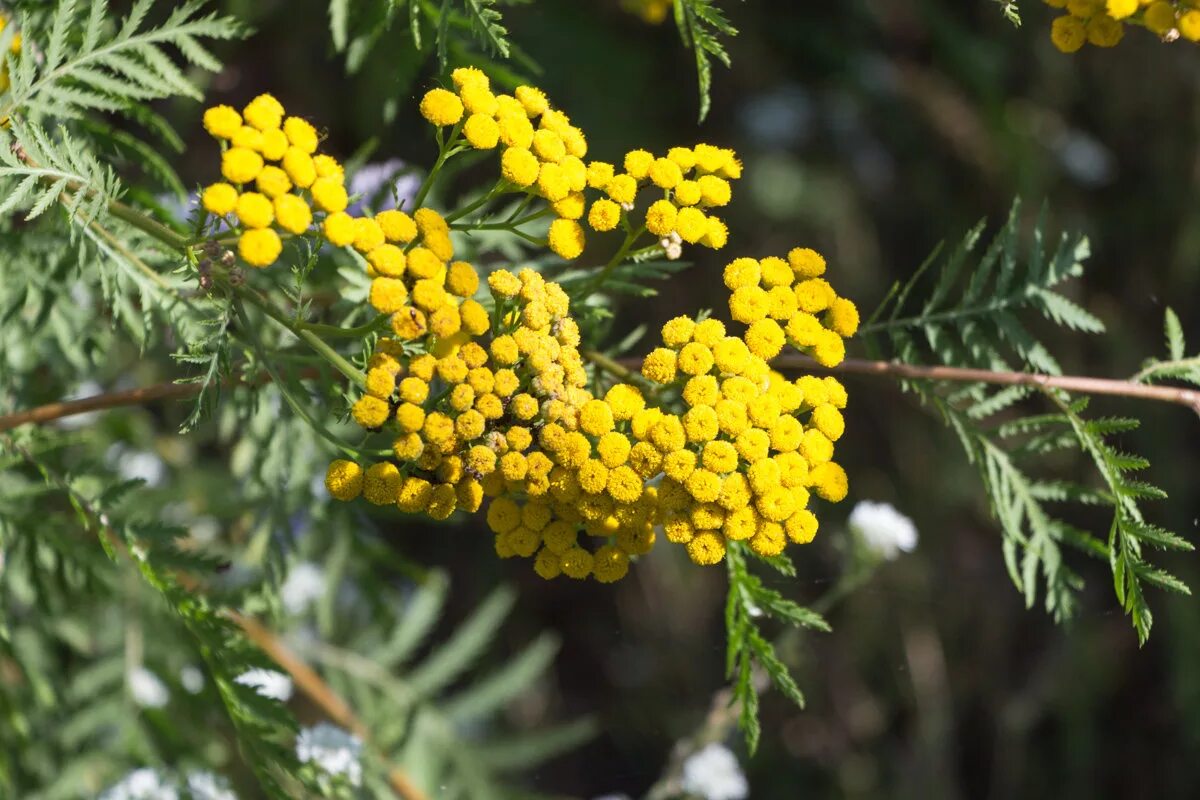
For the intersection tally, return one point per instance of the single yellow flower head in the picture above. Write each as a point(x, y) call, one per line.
point(255, 210)
point(566, 238)
point(339, 229)
point(1104, 31)
point(240, 165)
point(660, 218)
point(397, 226)
point(1069, 33)
point(299, 167)
point(481, 131)
point(344, 480)
point(706, 548)
point(534, 100)
point(665, 173)
point(519, 166)
point(622, 189)
point(273, 181)
point(659, 365)
point(219, 199)
point(274, 144)
point(806, 263)
point(441, 107)
point(604, 215)
point(300, 134)
point(328, 167)
point(329, 195)
point(259, 247)
point(263, 112)
point(222, 122)
point(691, 224)
point(637, 163)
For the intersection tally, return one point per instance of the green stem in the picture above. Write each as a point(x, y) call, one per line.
point(346, 333)
point(610, 366)
point(315, 342)
point(149, 225)
point(483, 200)
point(295, 404)
point(445, 150)
point(617, 258)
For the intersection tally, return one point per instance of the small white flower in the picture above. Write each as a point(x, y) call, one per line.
point(268, 683)
point(332, 750)
point(146, 688)
point(305, 585)
point(192, 679)
point(142, 784)
point(714, 774)
point(136, 464)
point(206, 786)
point(883, 529)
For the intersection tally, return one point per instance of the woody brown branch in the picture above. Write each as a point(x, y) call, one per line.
point(1069, 383)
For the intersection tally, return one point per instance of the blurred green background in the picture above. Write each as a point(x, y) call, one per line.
point(870, 131)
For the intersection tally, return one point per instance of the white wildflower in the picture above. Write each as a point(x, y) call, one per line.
point(268, 683)
point(332, 750)
point(146, 688)
point(305, 585)
point(142, 784)
point(192, 679)
point(713, 773)
point(883, 529)
point(205, 785)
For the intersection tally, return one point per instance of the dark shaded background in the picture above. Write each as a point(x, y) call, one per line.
point(870, 131)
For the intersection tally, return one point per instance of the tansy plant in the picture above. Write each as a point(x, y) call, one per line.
point(438, 363)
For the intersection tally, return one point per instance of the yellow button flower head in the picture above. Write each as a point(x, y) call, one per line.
point(344, 480)
point(219, 198)
point(255, 210)
point(533, 100)
point(222, 121)
point(329, 195)
point(441, 107)
point(240, 165)
point(1068, 33)
point(259, 247)
point(300, 134)
point(481, 131)
point(566, 238)
point(339, 229)
point(263, 112)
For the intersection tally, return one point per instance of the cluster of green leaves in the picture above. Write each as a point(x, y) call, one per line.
point(474, 31)
point(700, 24)
point(970, 319)
point(453, 31)
point(747, 649)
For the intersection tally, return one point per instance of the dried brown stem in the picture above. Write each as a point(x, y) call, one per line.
point(309, 682)
point(1069, 383)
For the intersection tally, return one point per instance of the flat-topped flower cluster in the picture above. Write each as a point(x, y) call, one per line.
point(480, 386)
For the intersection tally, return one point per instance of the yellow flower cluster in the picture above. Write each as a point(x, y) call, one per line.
point(14, 47)
point(491, 403)
point(1102, 22)
point(274, 178)
point(788, 300)
point(511, 421)
point(740, 463)
point(514, 421)
point(542, 155)
point(693, 181)
point(652, 12)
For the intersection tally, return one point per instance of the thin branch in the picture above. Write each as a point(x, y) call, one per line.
point(1071, 383)
point(129, 397)
point(69, 408)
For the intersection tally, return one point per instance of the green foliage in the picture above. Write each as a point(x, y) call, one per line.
point(747, 649)
point(92, 67)
point(980, 329)
point(1010, 11)
point(443, 735)
point(1177, 365)
point(700, 23)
